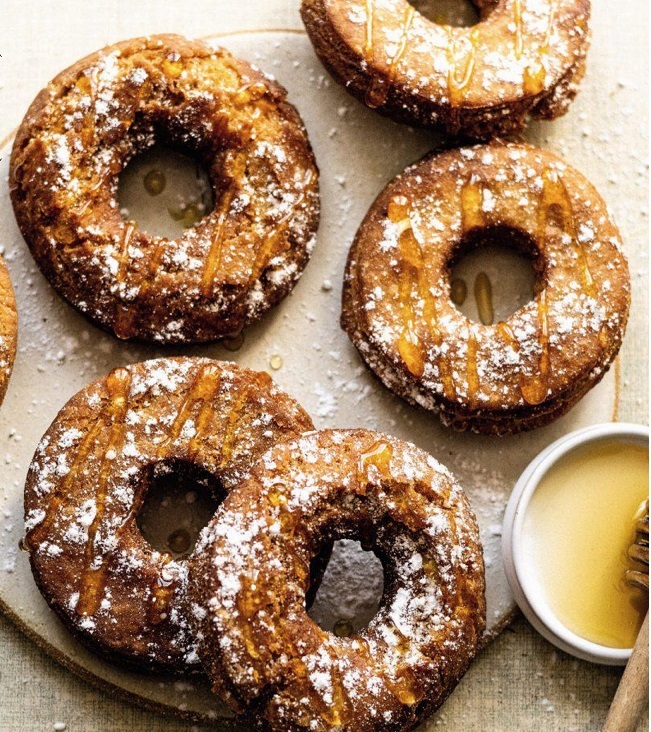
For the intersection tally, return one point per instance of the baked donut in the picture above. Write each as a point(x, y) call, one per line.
point(205, 419)
point(517, 374)
point(240, 259)
point(524, 57)
point(249, 574)
point(8, 329)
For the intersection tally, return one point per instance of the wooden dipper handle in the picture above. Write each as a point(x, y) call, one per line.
point(633, 690)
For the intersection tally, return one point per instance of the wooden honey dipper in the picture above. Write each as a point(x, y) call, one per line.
point(633, 690)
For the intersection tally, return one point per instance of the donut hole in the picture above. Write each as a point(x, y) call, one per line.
point(165, 190)
point(495, 272)
point(459, 13)
point(351, 590)
point(180, 499)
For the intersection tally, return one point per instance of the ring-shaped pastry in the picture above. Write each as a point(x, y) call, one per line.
point(90, 475)
point(239, 260)
point(249, 575)
point(509, 376)
point(524, 57)
point(8, 329)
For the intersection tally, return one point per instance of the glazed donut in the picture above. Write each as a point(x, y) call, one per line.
point(89, 477)
point(524, 57)
point(517, 374)
point(242, 258)
point(248, 577)
point(8, 329)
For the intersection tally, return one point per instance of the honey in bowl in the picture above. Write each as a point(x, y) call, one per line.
point(577, 530)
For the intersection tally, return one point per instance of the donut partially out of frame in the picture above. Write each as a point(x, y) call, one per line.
point(524, 58)
point(8, 328)
point(508, 376)
point(250, 571)
point(240, 259)
point(207, 420)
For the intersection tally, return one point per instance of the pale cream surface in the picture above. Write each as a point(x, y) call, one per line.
point(520, 683)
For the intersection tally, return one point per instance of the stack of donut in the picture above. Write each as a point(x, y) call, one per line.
point(236, 608)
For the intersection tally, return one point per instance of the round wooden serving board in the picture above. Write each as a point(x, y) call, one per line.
point(59, 352)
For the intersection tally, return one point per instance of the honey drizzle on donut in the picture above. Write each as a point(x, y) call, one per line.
point(472, 375)
point(368, 31)
point(162, 592)
point(213, 259)
point(201, 394)
point(378, 455)
point(123, 258)
point(509, 336)
point(231, 425)
point(555, 209)
point(378, 89)
point(517, 13)
point(534, 388)
point(472, 214)
point(267, 250)
point(125, 317)
point(93, 579)
point(457, 87)
point(39, 533)
point(534, 75)
point(410, 347)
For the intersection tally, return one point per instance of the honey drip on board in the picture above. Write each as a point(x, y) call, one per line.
point(458, 291)
point(458, 82)
point(93, 578)
point(484, 298)
point(410, 347)
point(534, 388)
point(201, 395)
point(155, 182)
point(534, 74)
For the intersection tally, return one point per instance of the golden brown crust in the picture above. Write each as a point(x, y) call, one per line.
point(8, 329)
point(523, 57)
point(248, 578)
point(511, 376)
point(241, 259)
point(90, 475)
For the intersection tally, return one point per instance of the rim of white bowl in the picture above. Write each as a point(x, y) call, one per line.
point(527, 591)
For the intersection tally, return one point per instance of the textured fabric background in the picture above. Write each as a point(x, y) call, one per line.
point(520, 683)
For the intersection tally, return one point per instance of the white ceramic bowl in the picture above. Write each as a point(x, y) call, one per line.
point(526, 589)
